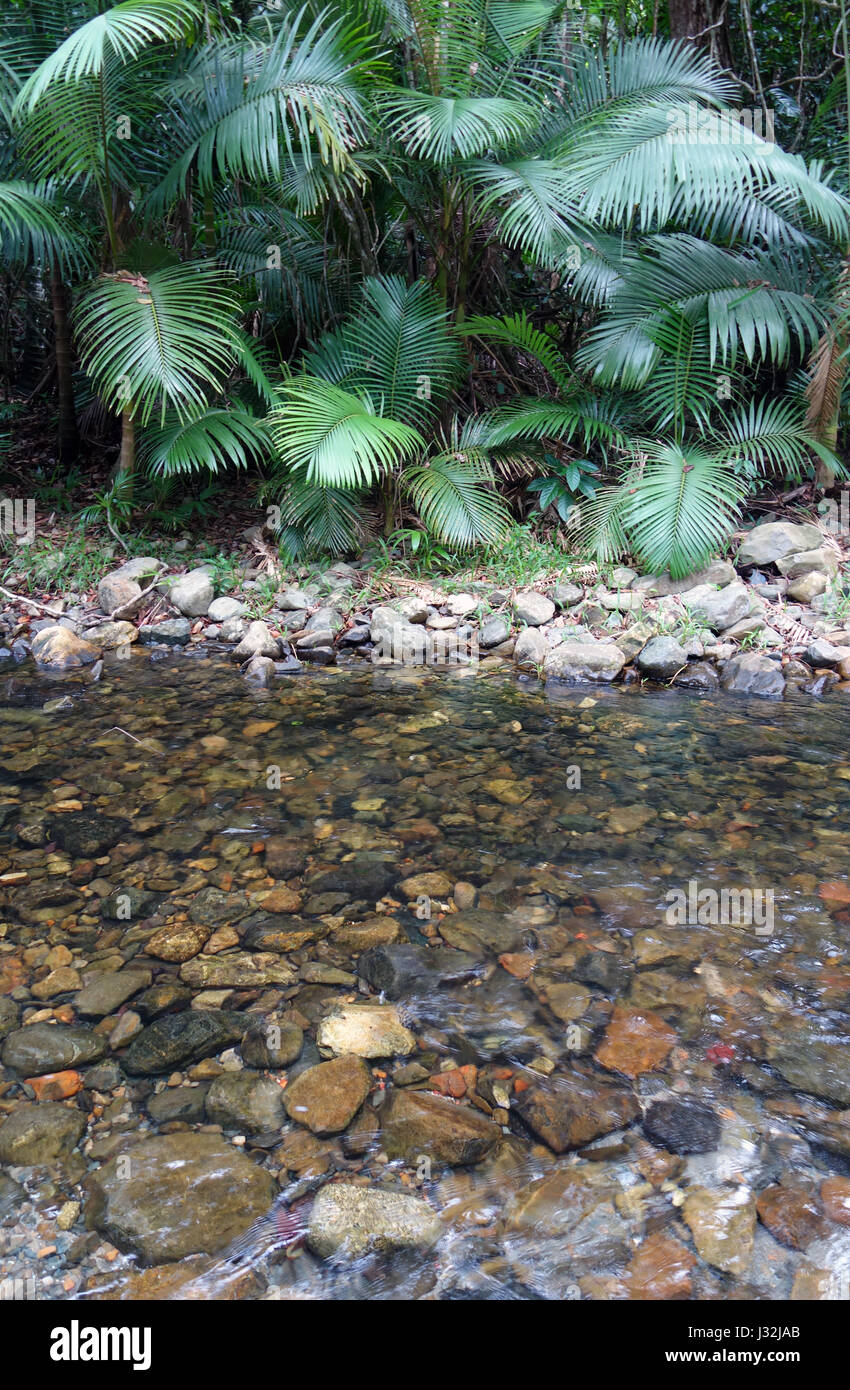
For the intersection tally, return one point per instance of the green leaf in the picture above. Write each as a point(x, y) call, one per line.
point(335, 438)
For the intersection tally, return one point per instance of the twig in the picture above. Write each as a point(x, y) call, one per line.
point(31, 602)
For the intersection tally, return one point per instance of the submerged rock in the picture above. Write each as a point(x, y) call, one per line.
point(571, 1109)
point(348, 1222)
point(365, 1030)
point(178, 1039)
point(326, 1097)
point(45, 1047)
point(36, 1134)
point(246, 1102)
point(682, 1126)
point(417, 1124)
point(175, 1195)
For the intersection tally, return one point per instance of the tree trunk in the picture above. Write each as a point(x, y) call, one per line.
point(705, 23)
point(69, 439)
point(126, 465)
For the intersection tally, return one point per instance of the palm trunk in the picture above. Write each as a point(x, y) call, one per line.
point(126, 466)
point(69, 439)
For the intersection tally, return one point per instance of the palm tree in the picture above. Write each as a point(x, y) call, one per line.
point(365, 412)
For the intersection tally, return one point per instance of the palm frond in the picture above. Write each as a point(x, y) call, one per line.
point(336, 438)
point(212, 441)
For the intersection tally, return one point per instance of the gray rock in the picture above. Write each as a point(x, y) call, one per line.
point(662, 658)
point(584, 661)
point(171, 632)
point(365, 1030)
point(820, 561)
point(348, 1222)
point(325, 620)
point(494, 632)
point(191, 593)
point(175, 1195)
point(531, 648)
point(257, 641)
point(719, 573)
point(85, 835)
point(698, 675)
point(223, 608)
point(44, 1047)
point(291, 600)
point(566, 595)
point(808, 586)
point(260, 671)
point(140, 567)
point(533, 609)
point(42, 1133)
point(413, 610)
point(107, 993)
point(822, 653)
point(245, 1102)
point(718, 608)
point(753, 674)
point(232, 629)
point(774, 540)
point(118, 589)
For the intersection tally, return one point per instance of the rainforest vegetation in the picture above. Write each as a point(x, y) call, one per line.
point(414, 272)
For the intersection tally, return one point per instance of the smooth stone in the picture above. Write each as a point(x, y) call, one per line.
point(348, 1222)
point(402, 968)
point(365, 1030)
point(105, 994)
point(417, 1124)
point(38, 1134)
point(682, 1126)
point(245, 1102)
point(723, 1225)
point(46, 1047)
point(257, 641)
point(325, 1098)
point(531, 648)
point(175, 1195)
point(577, 662)
point(533, 609)
point(190, 593)
point(271, 1044)
point(572, 1109)
point(61, 650)
point(225, 607)
point(109, 637)
point(171, 632)
point(176, 1040)
point(494, 632)
point(773, 540)
point(698, 675)
point(750, 673)
point(661, 658)
point(808, 586)
point(117, 590)
point(566, 595)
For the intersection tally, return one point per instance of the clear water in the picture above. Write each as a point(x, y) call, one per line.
point(578, 816)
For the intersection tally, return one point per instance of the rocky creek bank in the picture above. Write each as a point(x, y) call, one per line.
point(777, 619)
